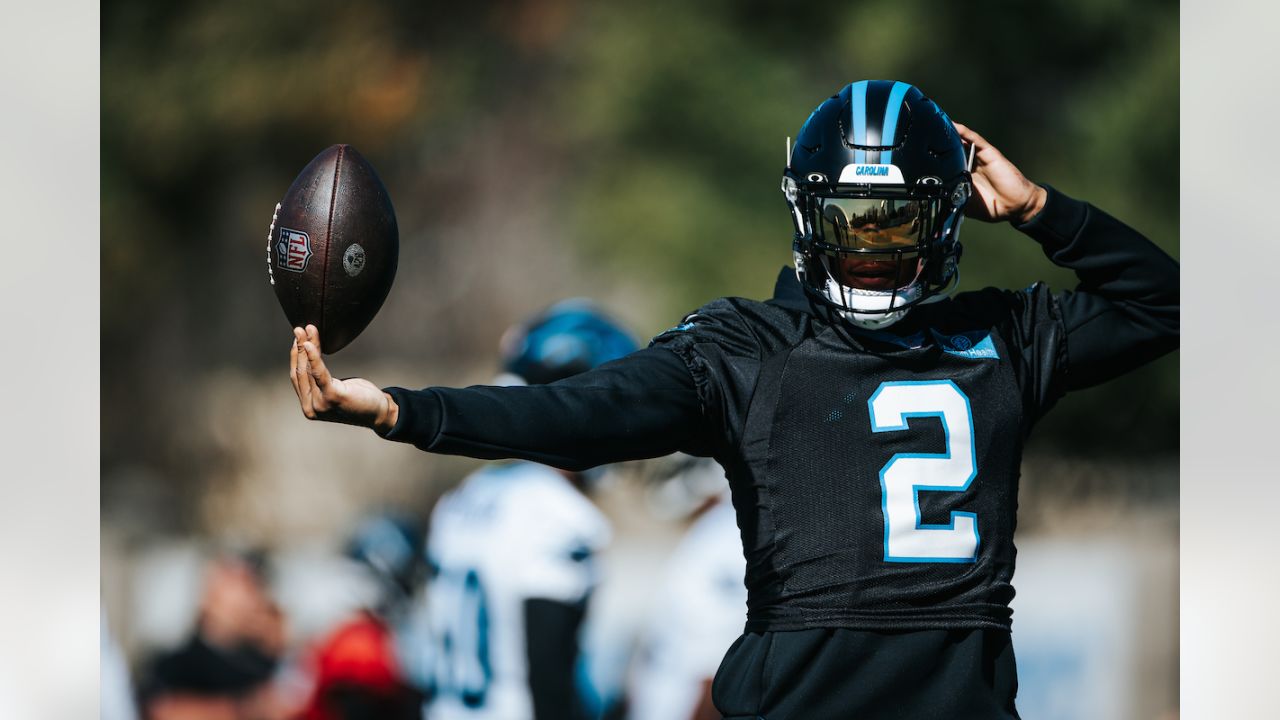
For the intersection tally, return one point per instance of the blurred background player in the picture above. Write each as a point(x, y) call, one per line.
point(224, 669)
point(701, 602)
point(512, 551)
point(115, 696)
point(357, 669)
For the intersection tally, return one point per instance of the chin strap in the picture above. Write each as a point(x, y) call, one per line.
point(873, 309)
point(872, 322)
point(879, 317)
point(879, 321)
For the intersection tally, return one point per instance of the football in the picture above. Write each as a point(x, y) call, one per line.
point(333, 246)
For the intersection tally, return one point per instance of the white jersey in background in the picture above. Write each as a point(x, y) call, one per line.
point(701, 610)
point(115, 696)
point(507, 534)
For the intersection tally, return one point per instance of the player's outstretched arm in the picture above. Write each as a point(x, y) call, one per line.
point(644, 405)
point(353, 401)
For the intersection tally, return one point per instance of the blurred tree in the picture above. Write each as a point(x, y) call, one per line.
point(535, 149)
point(678, 113)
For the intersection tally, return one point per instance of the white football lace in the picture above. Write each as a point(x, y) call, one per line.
point(271, 231)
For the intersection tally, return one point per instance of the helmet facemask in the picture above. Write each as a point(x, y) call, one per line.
point(872, 255)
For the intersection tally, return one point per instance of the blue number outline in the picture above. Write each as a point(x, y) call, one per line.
point(915, 489)
point(475, 698)
point(444, 678)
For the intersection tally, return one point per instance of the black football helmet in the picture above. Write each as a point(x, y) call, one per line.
point(388, 546)
point(876, 183)
point(570, 337)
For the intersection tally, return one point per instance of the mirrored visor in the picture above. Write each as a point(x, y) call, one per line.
point(872, 224)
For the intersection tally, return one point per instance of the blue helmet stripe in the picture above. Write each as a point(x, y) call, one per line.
point(858, 104)
point(891, 111)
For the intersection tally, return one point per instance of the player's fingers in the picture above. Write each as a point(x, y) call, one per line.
point(293, 366)
point(972, 142)
point(313, 334)
point(967, 134)
point(299, 358)
point(306, 387)
point(978, 207)
point(971, 138)
point(318, 372)
point(985, 151)
point(299, 337)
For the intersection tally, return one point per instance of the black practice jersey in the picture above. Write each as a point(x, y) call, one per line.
point(874, 473)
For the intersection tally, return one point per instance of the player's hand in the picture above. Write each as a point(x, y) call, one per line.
point(1000, 191)
point(354, 401)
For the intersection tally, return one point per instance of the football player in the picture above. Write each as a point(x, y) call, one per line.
point(701, 606)
point(512, 551)
point(869, 419)
point(357, 669)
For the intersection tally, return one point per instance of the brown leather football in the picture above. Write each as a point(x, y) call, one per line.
point(333, 246)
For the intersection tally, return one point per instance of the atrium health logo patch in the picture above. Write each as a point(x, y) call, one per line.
point(972, 345)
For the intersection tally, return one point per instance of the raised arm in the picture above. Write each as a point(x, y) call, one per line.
point(643, 405)
point(1124, 312)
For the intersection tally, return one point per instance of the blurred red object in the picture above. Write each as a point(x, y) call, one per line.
point(358, 676)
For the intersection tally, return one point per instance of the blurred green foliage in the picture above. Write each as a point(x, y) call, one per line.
point(659, 127)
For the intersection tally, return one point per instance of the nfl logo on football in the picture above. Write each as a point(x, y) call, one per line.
point(293, 250)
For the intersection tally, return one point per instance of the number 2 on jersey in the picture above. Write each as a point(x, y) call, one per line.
point(906, 538)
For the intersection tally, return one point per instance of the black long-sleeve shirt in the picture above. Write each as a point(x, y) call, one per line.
point(829, 435)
